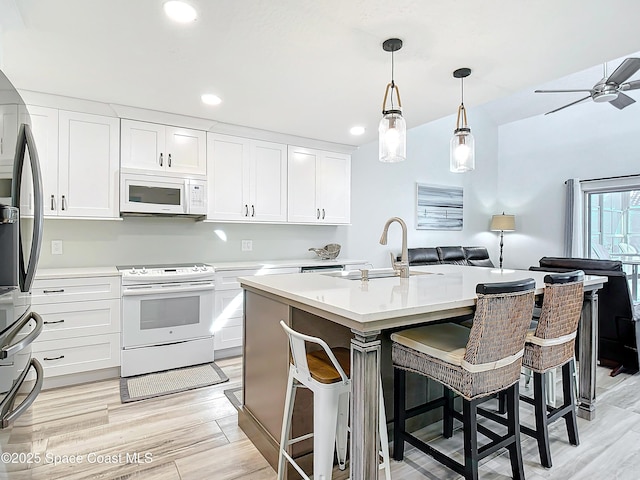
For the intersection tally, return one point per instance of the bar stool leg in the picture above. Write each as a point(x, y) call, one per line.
point(286, 424)
point(540, 406)
point(513, 416)
point(399, 409)
point(470, 421)
point(447, 415)
point(325, 421)
point(342, 430)
point(568, 380)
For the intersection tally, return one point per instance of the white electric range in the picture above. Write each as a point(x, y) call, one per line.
point(167, 317)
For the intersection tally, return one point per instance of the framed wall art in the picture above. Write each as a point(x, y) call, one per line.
point(438, 207)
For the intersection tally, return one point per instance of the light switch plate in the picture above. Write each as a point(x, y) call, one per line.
point(247, 245)
point(56, 247)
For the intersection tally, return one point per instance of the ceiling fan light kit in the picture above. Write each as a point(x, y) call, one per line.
point(462, 148)
point(609, 89)
point(392, 130)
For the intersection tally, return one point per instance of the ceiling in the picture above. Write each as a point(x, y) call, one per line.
point(311, 68)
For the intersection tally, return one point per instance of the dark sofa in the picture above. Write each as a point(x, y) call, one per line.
point(618, 318)
point(475, 256)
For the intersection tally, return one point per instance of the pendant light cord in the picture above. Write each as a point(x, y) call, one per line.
point(393, 85)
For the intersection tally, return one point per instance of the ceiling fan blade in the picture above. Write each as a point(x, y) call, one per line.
point(630, 85)
point(568, 105)
point(562, 91)
point(622, 101)
point(627, 68)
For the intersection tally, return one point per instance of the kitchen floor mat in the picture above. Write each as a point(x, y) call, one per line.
point(234, 395)
point(157, 384)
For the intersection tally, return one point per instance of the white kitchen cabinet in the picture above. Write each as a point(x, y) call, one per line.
point(155, 148)
point(78, 155)
point(247, 179)
point(8, 133)
point(319, 186)
point(81, 317)
point(229, 308)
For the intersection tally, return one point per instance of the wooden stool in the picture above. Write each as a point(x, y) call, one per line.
point(474, 363)
point(326, 373)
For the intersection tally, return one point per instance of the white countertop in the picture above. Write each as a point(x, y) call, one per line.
point(310, 262)
point(75, 272)
point(444, 287)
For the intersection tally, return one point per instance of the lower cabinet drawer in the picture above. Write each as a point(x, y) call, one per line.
point(79, 319)
point(74, 355)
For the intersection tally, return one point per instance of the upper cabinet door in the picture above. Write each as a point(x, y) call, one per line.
point(302, 185)
point(335, 188)
point(88, 165)
point(158, 148)
point(143, 146)
point(44, 124)
point(227, 165)
point(8, 133)
point(268, 182)
point(186, 151)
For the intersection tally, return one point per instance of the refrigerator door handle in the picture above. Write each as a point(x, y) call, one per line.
point(9, 414)
point(7, 350)
point(26, 142)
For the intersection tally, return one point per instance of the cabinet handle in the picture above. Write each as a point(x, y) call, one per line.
point(253, 211)
point(323, 213)
point(160, 159)
point(54, 358)
point(64, 203)
point(246, 210)
point(57, 321)
point(53, 203)
point(54, 291)
point(318, 214)
point(169, 161)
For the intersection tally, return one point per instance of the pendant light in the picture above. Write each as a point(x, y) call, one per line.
point(392, 130)
point(462, 144)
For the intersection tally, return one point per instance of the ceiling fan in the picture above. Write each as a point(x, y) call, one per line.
point(609, 89)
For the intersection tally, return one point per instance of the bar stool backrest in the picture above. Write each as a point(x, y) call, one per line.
point(502, 317)
point(297, 342)
point(559, 317)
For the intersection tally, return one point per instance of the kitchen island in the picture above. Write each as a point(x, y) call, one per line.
point(346, 311)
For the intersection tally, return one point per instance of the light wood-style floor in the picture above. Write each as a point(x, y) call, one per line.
point(194, 435)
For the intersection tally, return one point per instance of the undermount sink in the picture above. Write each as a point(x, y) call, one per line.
point(372, 274)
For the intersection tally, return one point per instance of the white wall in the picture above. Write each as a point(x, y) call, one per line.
point(149, 240)
point(538, 154)
point(381, 191)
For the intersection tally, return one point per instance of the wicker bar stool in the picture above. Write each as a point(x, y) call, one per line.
point(552, 345)
point(326, 373)
point(474, 363)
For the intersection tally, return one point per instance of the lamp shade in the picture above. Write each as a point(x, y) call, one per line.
point(503, 223)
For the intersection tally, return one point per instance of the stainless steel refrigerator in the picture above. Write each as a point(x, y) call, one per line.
point(21, 224)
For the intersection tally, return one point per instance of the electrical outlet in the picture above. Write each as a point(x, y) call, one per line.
point(56, 247)
point(247, 245)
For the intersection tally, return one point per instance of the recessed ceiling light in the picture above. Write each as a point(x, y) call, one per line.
point(211, 99)
point(180, 11)
point(357, 130)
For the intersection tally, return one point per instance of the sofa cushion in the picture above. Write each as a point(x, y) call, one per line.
point(423, 256)
point(478, 257)
point(452, 255)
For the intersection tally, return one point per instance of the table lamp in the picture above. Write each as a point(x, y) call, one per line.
point(502, 223)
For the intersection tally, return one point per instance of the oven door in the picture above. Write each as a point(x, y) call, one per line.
point(166, 313)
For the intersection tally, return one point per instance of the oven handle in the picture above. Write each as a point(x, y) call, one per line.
point(9, 416)
point(154, 290)
point(7, 350)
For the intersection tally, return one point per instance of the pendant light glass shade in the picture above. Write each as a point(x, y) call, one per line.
point(462, 149)
point(392, 131)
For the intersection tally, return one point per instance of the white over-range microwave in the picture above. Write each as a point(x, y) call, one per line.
point(157, 195)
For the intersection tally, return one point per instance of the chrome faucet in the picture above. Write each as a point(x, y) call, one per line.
point(402, 267)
